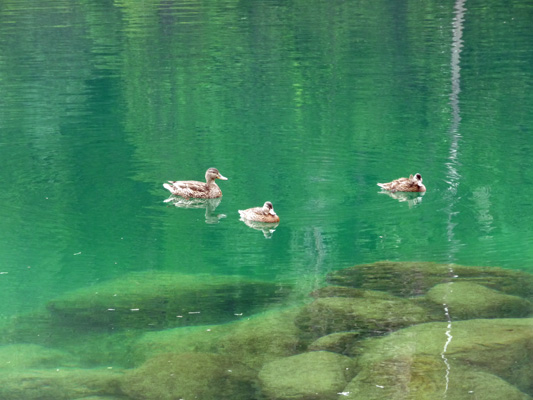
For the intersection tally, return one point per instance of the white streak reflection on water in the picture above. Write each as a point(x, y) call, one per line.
point(453, 174)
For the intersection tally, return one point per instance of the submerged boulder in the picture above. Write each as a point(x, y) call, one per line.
point(423, 378)
point(263, 338)
point(189, 376)
point(414, 362)
point(159, 300)
point(319, 375)
point(369, 315)
point(252, 341)
point(466, 300)
point(341, 342)
point(58, 384)
point(19, 356)
point(409, 279)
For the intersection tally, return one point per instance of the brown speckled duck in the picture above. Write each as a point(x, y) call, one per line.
point(195, 189)
point(411, 184)
point(260, 214)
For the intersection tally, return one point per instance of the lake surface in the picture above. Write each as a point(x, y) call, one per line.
point(307, 104)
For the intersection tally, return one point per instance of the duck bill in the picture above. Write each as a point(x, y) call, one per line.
point(222, 177)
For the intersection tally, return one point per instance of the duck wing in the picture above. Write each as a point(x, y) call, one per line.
point(258, 214)
point(396, 185)
point(187, 189)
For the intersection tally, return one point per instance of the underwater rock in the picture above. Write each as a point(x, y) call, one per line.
point(263, 338)
point(159, 300)
point(368, 315)
point(187, 339)
point(318, 375)
point(252, 341)
point(58, 384)
point(409, 279)
point(423, 378)
point(417, 360)
point(341, 342)
point(345, 291)
point(18, 356)
point(189, 376)
point(467, 300)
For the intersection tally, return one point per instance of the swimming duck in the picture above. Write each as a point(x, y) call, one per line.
point(195, 189)
point(411, 184)
point(260, 214)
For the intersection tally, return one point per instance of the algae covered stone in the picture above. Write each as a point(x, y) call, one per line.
point(263, 338)
point(466, 300)
point(26, 355)
point(158, 300)
point(426, 378)
point(251, 341)
point(59, 384)
point(341, 342)
point(189, 376)
point(319, 375)
point(500, 347)
point(368, 315)
point(409, 279)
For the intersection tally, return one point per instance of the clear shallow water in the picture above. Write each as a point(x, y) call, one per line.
point(305, 105)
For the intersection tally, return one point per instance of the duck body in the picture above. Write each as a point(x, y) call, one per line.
point(411, 184)
point(260, 214)
point(195, 189)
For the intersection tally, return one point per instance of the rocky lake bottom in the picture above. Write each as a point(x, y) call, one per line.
point(394, 330)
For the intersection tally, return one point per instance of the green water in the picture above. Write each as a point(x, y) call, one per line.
point(307, 104)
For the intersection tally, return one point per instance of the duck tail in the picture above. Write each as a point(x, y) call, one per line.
point(167, 186)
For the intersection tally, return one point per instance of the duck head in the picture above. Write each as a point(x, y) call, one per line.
point(417, 179)
point(269, 208)
point(212, 173)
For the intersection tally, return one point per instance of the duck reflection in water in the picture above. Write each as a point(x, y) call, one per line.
point(263, 218)
point(413, 199)
point(268, 228)
point(209, 204)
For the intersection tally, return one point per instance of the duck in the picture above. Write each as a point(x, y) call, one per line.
point(196, 189)
point(411, 184)
point(260, 214)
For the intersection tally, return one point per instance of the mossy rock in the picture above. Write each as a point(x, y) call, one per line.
point(158, 300)
point(25, 356)
point(341, 343)
point(263, 338)
point(466, 300)
point(408, 279)
point(59, 384)
point(345, 291)
point(428, 378)
point(368, 315)
point(89, 348)
point(187, 339)
point(501, 347)
point(189, 376)
point(319, 375)
point(252, 341)
point(104, 398)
